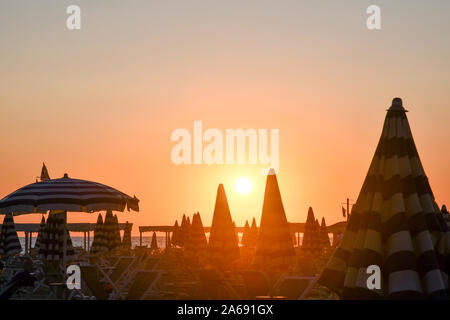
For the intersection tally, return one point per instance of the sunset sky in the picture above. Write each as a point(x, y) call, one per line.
point(101, 103)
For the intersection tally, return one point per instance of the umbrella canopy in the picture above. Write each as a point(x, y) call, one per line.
point(274, 247)
point(246, 234)
point(126, 240)
point(184, 230)
point(99, 242)
point(117, 231)
point(52, 243)
point(312, 241)
point(66, 194)
point(223, 246)
point(395, 224)
point(9, 241)
point(196, 244)
point(175, 234)
point(109, 229)
point(324, 235)
point(41, 231)
point(154, 243)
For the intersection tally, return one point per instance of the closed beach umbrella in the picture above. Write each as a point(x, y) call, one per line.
point(324, 235)
point(154, 243)
point(246, 234)
point(312, 241)
point(126, 240)
point(176, 234)
point(274, 247)
point(9, 241)
point(41, 231)
point(117, 231)
point(196, 244)
point(52, 243)
point(109, 229)
point(184, 230)
point(99, 242)
point(223, 246)
point(395, 224)
point(253, 234)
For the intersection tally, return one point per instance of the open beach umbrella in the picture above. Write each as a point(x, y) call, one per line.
point(175, 240)
point(274, 246)
point(55, 234)
point(9, 241)
point(395, 224)
point(324, 235)
point(223, 247)
point(154, 243)
point(196, 244)
point(126, 240)
point(246, 234)
point(312, 241)
point(99, 242)
point(41, 231)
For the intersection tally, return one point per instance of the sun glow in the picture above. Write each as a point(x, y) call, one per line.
point(243, 185)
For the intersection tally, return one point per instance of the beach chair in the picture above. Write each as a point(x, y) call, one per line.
point(142, 284)
point(91, 276)
point(121, 268)
point(296, 288)
point(256, 284)
point(215, 285)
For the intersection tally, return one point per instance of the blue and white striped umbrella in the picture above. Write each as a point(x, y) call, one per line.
point(68, 195)
point(9, 241)
point(40, 234)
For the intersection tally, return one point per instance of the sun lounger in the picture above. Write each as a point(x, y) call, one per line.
point(296, 288)
point(142, 284)
point(216, 286)
point(121, 268)
point(91, 277)
point(256, 284)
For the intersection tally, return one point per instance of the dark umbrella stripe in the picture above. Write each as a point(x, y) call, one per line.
point(274, 247)
point(394, 224)
point(69, 194)
point(9, 241)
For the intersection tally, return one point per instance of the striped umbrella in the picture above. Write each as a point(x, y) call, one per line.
point(117, 231)
point(246, 234)
point(154, 243)
point(274, 247)
point(196, 244)
point(109, 231)
point(52, 243)
point(66, 194)
point(395, 224)
point(324, 235)
point(126, 240)
point(99, 242)
point(41, 231)
point(223, 246)
point(9, 241)
point(311, 243)
point(176, 234)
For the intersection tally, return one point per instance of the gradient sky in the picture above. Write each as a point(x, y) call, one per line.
point(101, 103)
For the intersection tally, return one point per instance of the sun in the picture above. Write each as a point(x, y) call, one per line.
point(243, 185)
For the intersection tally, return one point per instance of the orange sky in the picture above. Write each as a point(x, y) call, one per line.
point(101, 103)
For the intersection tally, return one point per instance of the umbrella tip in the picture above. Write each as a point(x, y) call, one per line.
point(397, 105)
point(271, 172)
point(66, 176)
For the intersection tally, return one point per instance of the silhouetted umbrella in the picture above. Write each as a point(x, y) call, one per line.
point(52, 243)
point(246, 234)
point(117, 231)
point(312, 241)
point(253, 234)
point(274, 247)
point(184, 230)
point(222, 247)
point(176, 234)
point(39, 236)
point(109, 230)
point(324, 235)
point(196, 244)
point(126, 240)
point(9, 241)
point(154, 243)
point(99, 242)
point(395, 224)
